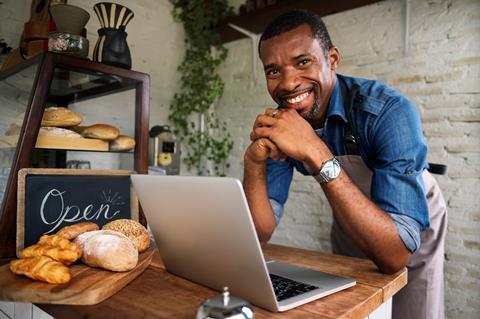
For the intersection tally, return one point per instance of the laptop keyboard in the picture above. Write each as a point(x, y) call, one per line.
point(287, 288)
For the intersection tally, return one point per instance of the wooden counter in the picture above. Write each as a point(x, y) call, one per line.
point(158, 294)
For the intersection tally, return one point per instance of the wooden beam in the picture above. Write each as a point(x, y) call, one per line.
point(256, 20)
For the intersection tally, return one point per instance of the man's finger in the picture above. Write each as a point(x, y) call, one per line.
point(274, 151)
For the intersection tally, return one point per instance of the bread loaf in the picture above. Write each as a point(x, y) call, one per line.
point(108, 250)
point(57, 131)
point(61, 117)
point(71, 232)
point(101, 131)
point(133, 230)
point(122, 143)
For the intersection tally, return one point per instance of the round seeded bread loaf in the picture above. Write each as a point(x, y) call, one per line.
point(133, 230)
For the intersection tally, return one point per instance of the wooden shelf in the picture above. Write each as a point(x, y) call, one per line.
point(255, 21)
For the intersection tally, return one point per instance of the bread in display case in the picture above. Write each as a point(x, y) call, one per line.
point(97, 94)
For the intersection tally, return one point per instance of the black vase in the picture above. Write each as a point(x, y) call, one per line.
point(111, 47)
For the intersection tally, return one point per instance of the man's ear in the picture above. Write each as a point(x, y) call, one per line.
point(333, 58)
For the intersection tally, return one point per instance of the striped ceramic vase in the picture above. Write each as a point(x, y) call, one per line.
point(112, 47)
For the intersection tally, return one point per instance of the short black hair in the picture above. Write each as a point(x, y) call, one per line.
point(295, 18)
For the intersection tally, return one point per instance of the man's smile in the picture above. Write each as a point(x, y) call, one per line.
point(298, 100)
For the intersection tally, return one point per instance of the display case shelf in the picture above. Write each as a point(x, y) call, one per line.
point(53, 79)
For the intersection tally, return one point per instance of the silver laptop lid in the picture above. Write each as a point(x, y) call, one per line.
point(205, 233)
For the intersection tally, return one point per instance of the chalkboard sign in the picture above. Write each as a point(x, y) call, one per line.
point(49, 199)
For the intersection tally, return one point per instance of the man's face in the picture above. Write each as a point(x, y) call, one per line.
point(298, 74)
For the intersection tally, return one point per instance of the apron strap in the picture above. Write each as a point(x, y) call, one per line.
point(349, 138)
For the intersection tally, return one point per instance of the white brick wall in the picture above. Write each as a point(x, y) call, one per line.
point(440, 75)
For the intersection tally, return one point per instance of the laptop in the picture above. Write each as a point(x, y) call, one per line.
point(205, 233)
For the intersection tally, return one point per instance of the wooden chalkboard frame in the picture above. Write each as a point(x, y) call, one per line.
point(22, 177)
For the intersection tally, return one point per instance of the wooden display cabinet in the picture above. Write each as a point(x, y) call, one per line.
point(53, 79)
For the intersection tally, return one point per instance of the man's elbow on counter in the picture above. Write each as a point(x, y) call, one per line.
point(264, 238)
point(393, 265)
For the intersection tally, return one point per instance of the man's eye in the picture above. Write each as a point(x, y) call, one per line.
point(303, 62)
point(271, 72)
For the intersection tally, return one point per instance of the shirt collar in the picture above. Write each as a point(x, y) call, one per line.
point(336, 104)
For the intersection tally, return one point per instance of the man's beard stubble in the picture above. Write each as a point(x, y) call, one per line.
point(311, 116)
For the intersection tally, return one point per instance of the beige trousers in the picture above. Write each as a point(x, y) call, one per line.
point(423, 297)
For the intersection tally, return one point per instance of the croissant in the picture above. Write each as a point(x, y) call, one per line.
point(58, 241)
point(65, 256)
point(41, 268)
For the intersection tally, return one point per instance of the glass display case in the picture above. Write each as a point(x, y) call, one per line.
point(99, 93)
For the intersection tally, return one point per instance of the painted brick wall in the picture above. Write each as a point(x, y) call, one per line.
point(440, 75)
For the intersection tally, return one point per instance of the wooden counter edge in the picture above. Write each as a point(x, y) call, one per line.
point(390, 284)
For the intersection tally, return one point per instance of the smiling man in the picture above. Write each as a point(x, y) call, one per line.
point(362, 141)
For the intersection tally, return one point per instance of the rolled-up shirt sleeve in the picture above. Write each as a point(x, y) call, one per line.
point(277, 210)
point(279, 178)
point(409, 231)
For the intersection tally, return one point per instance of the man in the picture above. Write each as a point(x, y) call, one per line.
point(363, 143)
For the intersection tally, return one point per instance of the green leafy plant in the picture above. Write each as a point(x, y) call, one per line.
point(204, 137)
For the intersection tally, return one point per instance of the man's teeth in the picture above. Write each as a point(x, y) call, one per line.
point(299, 98)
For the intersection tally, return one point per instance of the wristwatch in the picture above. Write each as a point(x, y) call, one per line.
point(329, 171)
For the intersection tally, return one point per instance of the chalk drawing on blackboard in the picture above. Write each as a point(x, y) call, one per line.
point(113, 199)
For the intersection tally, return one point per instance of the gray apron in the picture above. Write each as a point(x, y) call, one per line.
point(423, 296)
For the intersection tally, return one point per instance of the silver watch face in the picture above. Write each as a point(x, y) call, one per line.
point(330, 169)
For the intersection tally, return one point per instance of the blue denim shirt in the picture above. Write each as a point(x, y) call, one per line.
point(390, 139)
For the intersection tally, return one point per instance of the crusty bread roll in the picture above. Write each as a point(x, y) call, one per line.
point(57, 131)
point(72, 231)
point(101, 131)
point(133, 230)
point(108, 249)
point(60, 116)
point(122, 143)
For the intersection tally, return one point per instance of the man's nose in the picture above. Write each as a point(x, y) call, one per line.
point(290, 80)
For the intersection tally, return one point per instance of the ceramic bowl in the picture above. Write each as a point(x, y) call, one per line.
point(69, 19)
